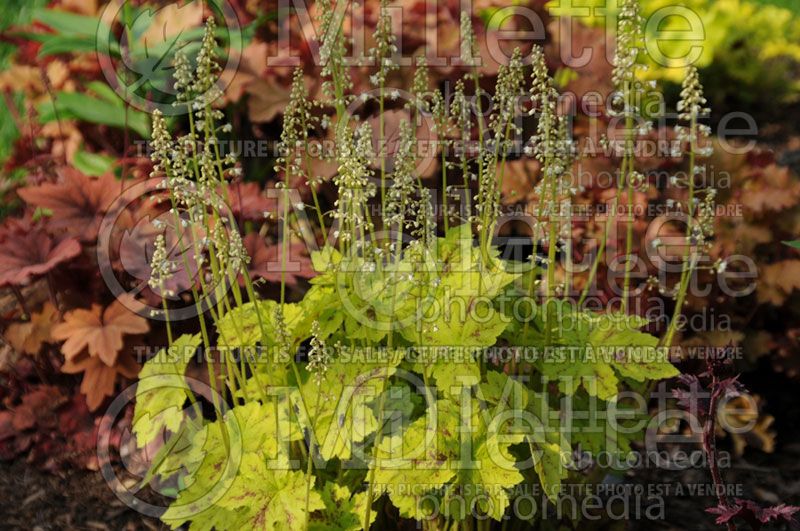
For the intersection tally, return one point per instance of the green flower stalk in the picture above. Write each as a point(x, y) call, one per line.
point(423, 228)
point(382, 54)
point(297, 120)
point(502, 128)
point(629, 42)
point(544, 144)
point(553, 148)
point(208, 67)
point(420, 89)
point(160, 267)
point(461, 116)
point(443, 129)
point(469, 51)
point(566, 190)
point(399, 208)
point(332, 54)
point(318, 355)
point(355, 189)
point(699, 203)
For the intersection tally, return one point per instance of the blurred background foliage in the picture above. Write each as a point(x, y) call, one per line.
point(749, 47)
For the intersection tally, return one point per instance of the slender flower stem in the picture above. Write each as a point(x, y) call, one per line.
point(445, 207)
point(551, 258)
point(626, 183)
point(381, 148)
point(309, 467)
point(601, 249)
point(688, 269)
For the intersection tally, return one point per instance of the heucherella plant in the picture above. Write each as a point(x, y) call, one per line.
point(407, 383)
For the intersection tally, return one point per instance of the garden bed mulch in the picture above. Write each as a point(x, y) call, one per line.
point(767, 479)
point(78, 499)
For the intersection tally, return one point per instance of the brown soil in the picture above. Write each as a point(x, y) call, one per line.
point(32, 499)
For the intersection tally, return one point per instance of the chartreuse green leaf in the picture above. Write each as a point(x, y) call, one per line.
point(246, 325)
point(321, 304)
point(345, 296)
point(550, 452)
point(450, 460)
point(464, 315)
point(223, 454)
point(595, 431)
point(400, 402)
point(413, 465)
point(268, 499)
point(373, 300)
point(593, 350)
point(250, 330)
point(499, 389)
point(343, 511)
point(337, 409)
point(326, 259)
point(253, 323)
point(455, 252)
point(458, 324)
point(529, 415)
point(458, 370)
point(162, 390)
point(635, 355)
point(482, 479)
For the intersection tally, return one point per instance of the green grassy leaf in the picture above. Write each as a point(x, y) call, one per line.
point(57, 44)
point(68, 23)
point(94, 110)
point(92, 163)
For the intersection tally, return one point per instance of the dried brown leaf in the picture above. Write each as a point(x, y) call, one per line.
point(99, 331)
point(99, 378)
point(28, 337)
